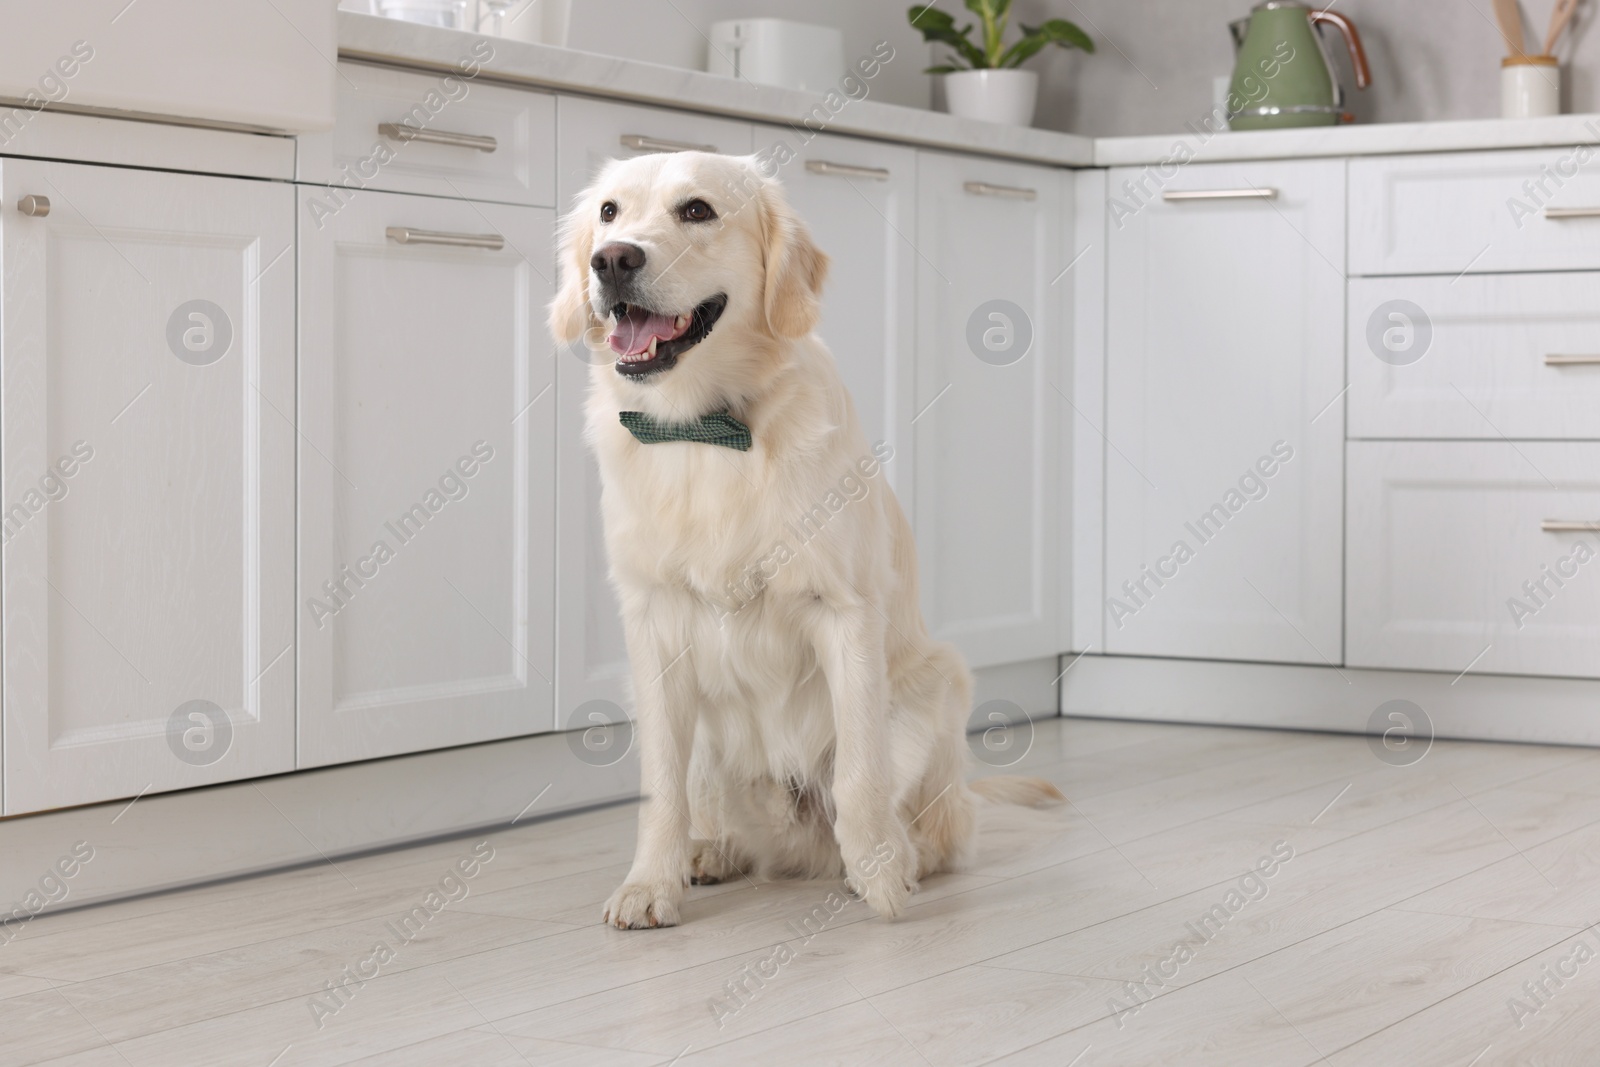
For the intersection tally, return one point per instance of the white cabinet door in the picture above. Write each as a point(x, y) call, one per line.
point(427, 477)
point(148, 482)
point(592, 656)
point(1225, 434)
point(859, 199)
point(991, 391)
point(1480, 555)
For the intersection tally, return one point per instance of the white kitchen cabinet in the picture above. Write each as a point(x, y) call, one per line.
point(427, 476)
point(1480, 555)
point(593, 657)
point(1475, 356)
point(148, 481)
point(1224, 424)
point(992, 382)
point(444, 134)
point(859, 200)
point(248, 66)
point(1475, 212)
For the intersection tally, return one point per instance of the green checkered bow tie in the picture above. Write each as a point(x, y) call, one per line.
point(718, 428)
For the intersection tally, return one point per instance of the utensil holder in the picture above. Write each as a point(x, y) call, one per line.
point(1530, 87)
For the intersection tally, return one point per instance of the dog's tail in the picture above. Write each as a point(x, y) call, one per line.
point(1025, 792)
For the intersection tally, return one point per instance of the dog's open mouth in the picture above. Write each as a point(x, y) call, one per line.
point(650, 341)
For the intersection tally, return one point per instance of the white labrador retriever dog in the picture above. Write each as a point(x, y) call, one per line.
point(794, 716)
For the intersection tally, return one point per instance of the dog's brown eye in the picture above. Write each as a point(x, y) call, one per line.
point(608, 211)
point(696, 211)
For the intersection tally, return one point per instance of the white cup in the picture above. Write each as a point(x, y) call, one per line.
point(1530, 87)
point(450, 14)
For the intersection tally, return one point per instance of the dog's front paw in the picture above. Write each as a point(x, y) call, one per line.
point(884, 878)
point(643, 905)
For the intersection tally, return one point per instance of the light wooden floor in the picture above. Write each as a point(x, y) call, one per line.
point(1418, 902)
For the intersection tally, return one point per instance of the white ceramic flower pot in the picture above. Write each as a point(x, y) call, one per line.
point(1006, 96)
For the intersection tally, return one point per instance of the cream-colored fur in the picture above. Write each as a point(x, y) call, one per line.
point(794, 716)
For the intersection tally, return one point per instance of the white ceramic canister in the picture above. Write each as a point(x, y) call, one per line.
point(1530, 87)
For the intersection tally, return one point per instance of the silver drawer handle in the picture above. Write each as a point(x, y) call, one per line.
point(847, 170)
point(641, 143)
point(1570, 361)
point(1009, 192)
point(34, 206)
point(410, 235)
point(1569, 526)
point(1572, 212)
point(401, 131)
point(1220, 194)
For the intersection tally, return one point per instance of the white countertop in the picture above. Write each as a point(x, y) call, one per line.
point(1382, 139)
point(371, 37)
point(397, 43)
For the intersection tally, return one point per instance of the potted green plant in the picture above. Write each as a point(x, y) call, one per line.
point(981, 78)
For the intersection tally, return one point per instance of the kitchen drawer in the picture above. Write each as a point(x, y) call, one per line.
point(493, 143)
point(1475, 212)
point(1451, 564)
point(1480, 356)
point(594, 132)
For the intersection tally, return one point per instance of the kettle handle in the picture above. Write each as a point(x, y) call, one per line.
point(1352, 40)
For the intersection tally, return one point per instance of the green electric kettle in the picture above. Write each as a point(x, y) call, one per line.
point(1283, 75)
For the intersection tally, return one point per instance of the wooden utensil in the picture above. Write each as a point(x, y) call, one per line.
point(1509, 15)
point(1558, 22)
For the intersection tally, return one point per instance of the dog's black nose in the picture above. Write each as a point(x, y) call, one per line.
point(617, 260)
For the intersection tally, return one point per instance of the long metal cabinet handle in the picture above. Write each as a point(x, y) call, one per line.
point(410, 235)
point(640, 143)
point(401, 131)
point(847, 170)
point(1007, 192)
point(1219, 194)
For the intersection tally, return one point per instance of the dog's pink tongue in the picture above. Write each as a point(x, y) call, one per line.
point(635, 330)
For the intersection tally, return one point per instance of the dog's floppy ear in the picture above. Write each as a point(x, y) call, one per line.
point(570, 314)
point(795, 268)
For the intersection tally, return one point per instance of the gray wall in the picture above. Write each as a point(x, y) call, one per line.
point(1431, 59)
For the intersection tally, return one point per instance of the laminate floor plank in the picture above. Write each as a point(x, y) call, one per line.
point(140, 1002)
point(1345, 985)
point(493, 1047)
point(13, 984)
point(1525, 1015)
point(75, 945)
point(1235, 921)
point(1379, 793)
point(976, 1014)
point(848, 1036)
point(1222, 1023)
point(1557, 883)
